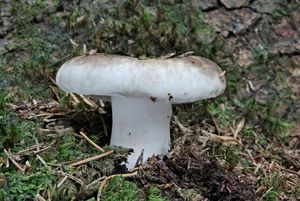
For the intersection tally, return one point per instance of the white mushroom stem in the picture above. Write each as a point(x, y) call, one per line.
point(141, 124)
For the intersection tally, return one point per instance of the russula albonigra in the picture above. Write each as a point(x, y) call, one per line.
point(142, 93)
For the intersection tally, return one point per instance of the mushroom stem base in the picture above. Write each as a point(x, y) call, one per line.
point(141, 124)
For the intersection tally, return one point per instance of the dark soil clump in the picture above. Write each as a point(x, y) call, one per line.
point(190, 169)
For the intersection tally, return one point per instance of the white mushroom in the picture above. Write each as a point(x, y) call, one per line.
point(142, 92)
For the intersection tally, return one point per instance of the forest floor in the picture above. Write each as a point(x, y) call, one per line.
point(243, 145)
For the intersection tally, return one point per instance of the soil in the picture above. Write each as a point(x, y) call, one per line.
point(190, 169)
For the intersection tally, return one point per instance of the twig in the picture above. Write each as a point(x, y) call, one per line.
point(142, 167)
point(94, 182)
point(140, 159)
point(92, 104)
point(38, 146)
point(14, 162)
point(91, 142)
point(71, 177)
point(239, 128)
point(290, 171)
point(182, 128)
point(261, 198)
point(104, 125)
point(54, 92)
point(29, 149)
point(90, 159)
point(101, 187)
point(55, 165)
point(185, 54)
point(43, 161)
point(62, 181)
point(41, 150)
point(216, 125)
point(221, 139)
point(75, 99)
point(38, 197)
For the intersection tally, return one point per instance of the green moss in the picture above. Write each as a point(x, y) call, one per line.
point(260, 54)
point(119, 189)
point(231, 158)
point(20, 187)
point(279, 127)
point(154, 194)
point(13, 131)
point(275, 183)
point(188, 194)
point(140, 29)
point(220, 113)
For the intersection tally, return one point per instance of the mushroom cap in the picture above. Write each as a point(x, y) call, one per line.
point(175, 80)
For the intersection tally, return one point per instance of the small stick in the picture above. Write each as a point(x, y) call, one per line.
point(38, 146)
point(101, 187)
point(43, 161)
point(92, 104)
point(29, 149)
point(71, 177)
point(55, 165)
point(38, 197)
point(94, 182)
point(76, 100)
point(62, 181)
point(142, 167)
point(104, 125)
point(261, 198)
point(14, 162)
point(185, 54)
point(90, 158)
point(41, 150)
point(140, 159)
point(290, 171)
point(91, 142)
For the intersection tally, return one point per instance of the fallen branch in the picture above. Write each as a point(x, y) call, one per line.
point(101, 187)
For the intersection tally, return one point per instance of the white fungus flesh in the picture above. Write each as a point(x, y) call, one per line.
point(142, 92)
